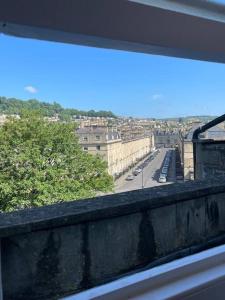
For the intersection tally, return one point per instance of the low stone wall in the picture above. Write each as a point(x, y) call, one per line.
point(57, 250)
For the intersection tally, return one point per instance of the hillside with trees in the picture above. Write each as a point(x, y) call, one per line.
point(11, 106)
point(190, 118)
point(42, 163)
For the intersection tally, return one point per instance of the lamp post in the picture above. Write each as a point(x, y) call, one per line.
point(142, 178)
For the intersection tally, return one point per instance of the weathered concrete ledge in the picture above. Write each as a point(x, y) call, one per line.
point(114, 205)
point(58, 250)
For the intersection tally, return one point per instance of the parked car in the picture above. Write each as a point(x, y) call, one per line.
point(142, 165)
point(117, 175)
point(130, 177)
point(162, 178)
point(164, 170)
point(135, 172)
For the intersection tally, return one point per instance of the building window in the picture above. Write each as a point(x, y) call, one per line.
point(98, 147)
point(85, 138)
point(85, 148)
point(97, 137)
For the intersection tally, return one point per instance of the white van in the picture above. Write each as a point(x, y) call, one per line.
point(162, 178)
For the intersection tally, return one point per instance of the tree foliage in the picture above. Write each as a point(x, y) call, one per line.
point(42, 163)
point(16, 106)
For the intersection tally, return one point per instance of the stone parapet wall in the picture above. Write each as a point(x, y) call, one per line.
point(58, 250)
point(210, 159)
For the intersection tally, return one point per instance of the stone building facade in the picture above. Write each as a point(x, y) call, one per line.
point(120, 155)
point(210, 159)
point(91, 121)
point(188, 160)
point(186, 149)
point(166, 139)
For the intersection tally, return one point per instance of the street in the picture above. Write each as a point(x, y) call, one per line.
point(150, 174)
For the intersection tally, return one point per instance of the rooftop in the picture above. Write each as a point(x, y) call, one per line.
point(214, 133)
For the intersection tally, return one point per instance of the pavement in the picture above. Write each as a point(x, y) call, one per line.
point(150, 174)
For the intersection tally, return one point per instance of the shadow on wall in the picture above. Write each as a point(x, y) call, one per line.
point(57, 250)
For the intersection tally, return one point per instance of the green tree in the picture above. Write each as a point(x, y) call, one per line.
point(16, 106)
point(42, 163)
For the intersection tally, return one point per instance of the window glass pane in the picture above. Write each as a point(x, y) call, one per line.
point(136, 111)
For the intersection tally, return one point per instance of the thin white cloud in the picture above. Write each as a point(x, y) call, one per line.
point(30, 89)
point(157, 96)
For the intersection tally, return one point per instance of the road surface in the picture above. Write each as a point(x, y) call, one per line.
point(150, 174)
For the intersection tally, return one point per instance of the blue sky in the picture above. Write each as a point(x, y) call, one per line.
point(219, 1)
point(130, 84)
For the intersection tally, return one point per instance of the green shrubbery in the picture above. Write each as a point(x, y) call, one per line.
point(42, 163)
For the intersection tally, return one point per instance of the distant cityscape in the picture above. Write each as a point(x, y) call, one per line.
point(127, 144)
